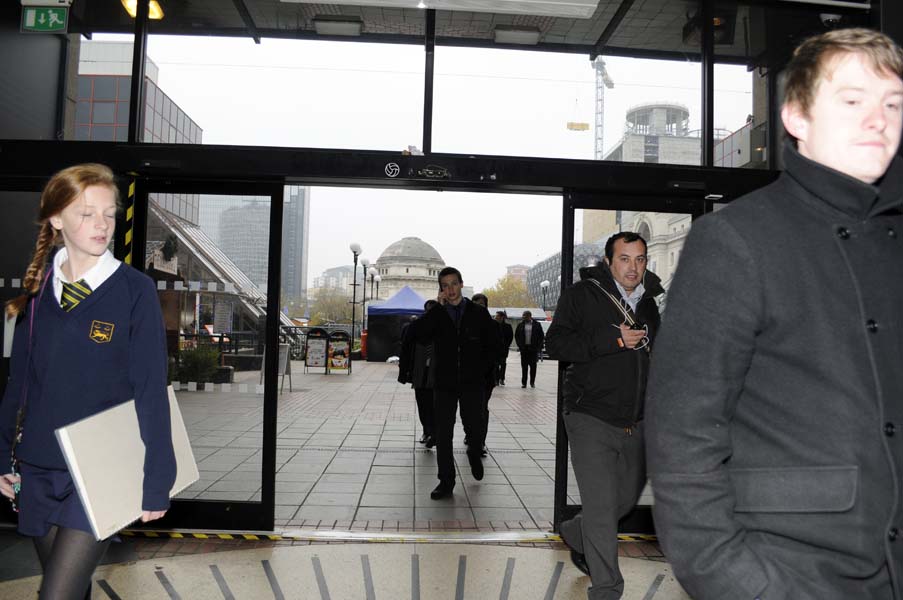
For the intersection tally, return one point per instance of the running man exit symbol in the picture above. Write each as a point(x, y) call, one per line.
point(45, 19)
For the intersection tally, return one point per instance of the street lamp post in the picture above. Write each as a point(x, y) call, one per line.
point(372, 272)
point(355, 250)
point(365, 262)
point(378, 278)
point(544, 284)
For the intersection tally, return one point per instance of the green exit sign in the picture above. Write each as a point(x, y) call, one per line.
point(45, 19)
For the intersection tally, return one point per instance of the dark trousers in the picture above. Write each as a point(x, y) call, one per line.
point(424, 397)
point(528, 361)
point(503, 366)
point(610, 468)
point(445, 405)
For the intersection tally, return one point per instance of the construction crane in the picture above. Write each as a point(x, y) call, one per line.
point(603, 80)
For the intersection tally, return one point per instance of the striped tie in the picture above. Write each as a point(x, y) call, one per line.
point(73, 293)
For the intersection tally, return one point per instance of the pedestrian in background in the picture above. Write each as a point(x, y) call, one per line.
point(529, 337)
point(417, 367)
point(507, 335)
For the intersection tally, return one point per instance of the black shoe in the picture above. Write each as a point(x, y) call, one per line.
point(532, 385)
point(523, 385)
point(430, 441)
point(442, 490)
point(579, 561)
point(485, 451)
point(476, 465)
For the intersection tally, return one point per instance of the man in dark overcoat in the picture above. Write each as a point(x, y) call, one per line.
point(465, 345)
point(775, 406)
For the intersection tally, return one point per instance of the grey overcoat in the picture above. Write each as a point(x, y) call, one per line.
point(775, 401)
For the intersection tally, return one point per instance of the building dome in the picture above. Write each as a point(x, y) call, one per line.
point(409, 262)
point(408, 249)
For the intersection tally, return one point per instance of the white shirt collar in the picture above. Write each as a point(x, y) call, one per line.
point(632, 298)
point(105, 266)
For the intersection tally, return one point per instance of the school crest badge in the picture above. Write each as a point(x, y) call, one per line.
point(101, 332)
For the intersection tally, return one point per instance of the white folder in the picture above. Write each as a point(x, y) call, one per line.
point(105, 456)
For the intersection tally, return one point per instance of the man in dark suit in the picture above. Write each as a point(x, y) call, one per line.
point(465, 346)
point(774, 412)
point(529, 337)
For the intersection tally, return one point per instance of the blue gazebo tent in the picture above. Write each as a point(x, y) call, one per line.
point(385, 320)
point(405, 302)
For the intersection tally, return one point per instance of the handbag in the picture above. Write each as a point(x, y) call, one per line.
point(20, 413)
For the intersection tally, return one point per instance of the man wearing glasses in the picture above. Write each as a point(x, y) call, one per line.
point(603, 328)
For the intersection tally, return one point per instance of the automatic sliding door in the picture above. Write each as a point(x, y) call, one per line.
point(208, 250)
point(590, 221)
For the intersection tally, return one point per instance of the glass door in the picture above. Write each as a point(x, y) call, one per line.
point(210, 251)
point(590, 219)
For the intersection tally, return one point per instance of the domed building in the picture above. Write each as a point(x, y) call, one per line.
point(409, 261)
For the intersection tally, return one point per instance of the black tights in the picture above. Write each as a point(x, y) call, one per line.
point(68, 559)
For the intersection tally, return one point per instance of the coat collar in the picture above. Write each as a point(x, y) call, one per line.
point(842, 192)
point(602, 273)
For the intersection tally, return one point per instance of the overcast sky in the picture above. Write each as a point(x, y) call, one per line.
point(369, 96)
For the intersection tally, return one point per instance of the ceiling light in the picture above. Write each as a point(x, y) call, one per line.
point(574, 9)
point(722, 26)
point(516, 35)
point(155, 11)
point(338, 25)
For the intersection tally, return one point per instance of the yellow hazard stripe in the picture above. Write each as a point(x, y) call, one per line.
point(129, 224)
point(402, 537)
point(199, 535)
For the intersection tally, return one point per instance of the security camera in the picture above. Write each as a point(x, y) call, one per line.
point(830, 20)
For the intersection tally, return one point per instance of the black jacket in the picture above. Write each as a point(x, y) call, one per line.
point(465, 355)
point(416, 365)
point(775, 422)
point(603, 379)
point(536, 337)
point(507, 336)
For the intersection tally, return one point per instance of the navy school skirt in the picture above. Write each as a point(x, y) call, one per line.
point(48, 497)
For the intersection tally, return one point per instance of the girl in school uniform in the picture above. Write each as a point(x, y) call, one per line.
point(90, 336)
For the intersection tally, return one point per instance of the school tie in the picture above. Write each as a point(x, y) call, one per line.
point(73, 293)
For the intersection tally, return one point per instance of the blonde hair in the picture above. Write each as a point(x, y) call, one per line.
point(814, 55)
point(61, 191)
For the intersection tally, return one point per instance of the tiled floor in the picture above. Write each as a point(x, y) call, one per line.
point(348, 451)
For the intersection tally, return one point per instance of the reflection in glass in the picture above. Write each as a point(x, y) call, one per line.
point(210, 270)
point(665, 235)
